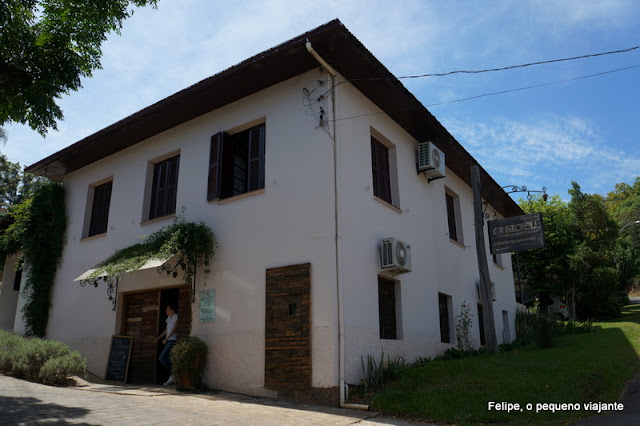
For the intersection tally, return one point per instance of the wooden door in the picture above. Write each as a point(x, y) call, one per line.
point(141, 322)
point(288, 328)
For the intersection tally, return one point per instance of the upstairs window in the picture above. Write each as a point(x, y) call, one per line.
point(100, 209)
point(380, 170)
point(454, 221)
point(164, 187)
point(236, 163)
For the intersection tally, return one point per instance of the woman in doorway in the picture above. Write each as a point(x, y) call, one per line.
point(170, 335)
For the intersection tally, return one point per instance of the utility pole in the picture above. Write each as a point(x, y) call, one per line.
point(483, 267)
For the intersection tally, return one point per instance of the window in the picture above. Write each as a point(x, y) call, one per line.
point(164, 187)
point(444, 306)
point(17, 280)
point(497, 260)
point(380, 170)
point(506, 330)
point(387, 308)
point(481, 325)
point(236, 163)
point(453, 217)
point(100, 209)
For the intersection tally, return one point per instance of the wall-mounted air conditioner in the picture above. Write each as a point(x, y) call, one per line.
point(395, 256)
point(493, 291)
point(431, 161)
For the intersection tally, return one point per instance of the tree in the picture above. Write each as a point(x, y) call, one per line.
point(545, 269)
point(46, 47)
point(624, 206)
point(15, 185)
point(594, 273)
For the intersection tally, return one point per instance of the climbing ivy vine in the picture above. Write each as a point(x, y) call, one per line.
point(37, 231)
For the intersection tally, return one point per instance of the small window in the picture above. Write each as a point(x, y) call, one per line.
point(100, 209)
point(497, 260)
point(444, 306)
point(506, 330)
point(236, 163)
point(387, 308)
point(17, 280)
point(481, 325)
point(164, 187)
point(380, 170)
point(454, 221)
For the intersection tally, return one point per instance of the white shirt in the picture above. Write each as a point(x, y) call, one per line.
point(172, 322)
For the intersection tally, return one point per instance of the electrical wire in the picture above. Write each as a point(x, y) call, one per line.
point(551, 61)
point(494, 93)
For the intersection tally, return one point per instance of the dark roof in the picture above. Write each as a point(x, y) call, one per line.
point(338, 47)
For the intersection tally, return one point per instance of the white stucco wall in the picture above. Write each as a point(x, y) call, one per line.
point(291, 221)
point(420, 219)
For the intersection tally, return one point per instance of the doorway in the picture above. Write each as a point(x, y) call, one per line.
point(144, 320)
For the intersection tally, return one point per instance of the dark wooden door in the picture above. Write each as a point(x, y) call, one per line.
point(288, 328)
point(141, 322)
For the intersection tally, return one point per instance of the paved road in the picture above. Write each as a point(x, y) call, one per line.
point(26, 403)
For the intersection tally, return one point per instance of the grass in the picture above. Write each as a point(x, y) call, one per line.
point(580, 368)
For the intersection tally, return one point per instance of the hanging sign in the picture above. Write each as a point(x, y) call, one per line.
point(518, 233)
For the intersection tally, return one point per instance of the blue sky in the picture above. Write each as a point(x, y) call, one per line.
point(584, 130)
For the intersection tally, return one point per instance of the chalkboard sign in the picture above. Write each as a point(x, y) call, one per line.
point(119, 355)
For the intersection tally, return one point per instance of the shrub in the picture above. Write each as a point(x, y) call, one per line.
point(189, 359)
point(375, 374)
point(463, 328)
point(45, 361)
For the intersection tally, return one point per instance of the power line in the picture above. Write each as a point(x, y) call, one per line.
point(550, 61)
point(495, 93)
point(534, 86)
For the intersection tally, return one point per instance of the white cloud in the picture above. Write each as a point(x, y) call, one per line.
point(547, 151)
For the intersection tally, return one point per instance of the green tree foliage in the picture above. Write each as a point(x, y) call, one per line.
point(37, 231)
point(592, 264)
point(15, 185)
point(624, 206)
point(46, 47)
point(585, 256)
point(545, 269)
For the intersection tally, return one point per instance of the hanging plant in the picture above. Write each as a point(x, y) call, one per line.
point(193, 243)
point(37, 231)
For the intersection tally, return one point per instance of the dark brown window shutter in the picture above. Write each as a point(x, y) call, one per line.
point(380, 170)
point(255, 177)
point(100, 209)
point(451, 218)
point(215, 165)
point(164, 188)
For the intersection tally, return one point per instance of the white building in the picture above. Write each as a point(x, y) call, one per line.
point(323, 168)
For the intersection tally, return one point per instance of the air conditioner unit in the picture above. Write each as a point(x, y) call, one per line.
point(395, 256)
point(493, 291)
point(431, 161)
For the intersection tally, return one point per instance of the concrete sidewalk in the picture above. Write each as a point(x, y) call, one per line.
point(27, 403)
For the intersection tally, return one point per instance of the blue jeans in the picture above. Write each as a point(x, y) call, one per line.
point(164, 356)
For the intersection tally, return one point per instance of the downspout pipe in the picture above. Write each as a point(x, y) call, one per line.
point(338, 223)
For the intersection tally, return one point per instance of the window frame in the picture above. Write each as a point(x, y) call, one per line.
point(226, 154)
point(163, 192)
